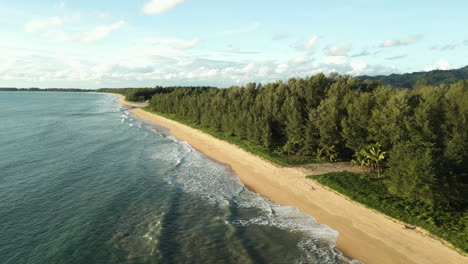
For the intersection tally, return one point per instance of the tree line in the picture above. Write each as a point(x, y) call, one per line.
point(421, 134)
point(139, 94)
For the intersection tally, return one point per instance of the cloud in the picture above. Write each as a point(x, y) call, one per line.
point(100, 32)
point(160, 6)
point(185, 62)
point(157, 61)
point(361, 54)
point(337, 51)
point(397, 57)
point(282, 68)
point(309, 45)
point(166, 46)
point(297, 61)
point(280, 36)
point(239, 51)
point(450, 46)
point(440, 65)
point(185, 45)
point(396, 42)
point(43, 24)
point(445, 47)
point(358, 67)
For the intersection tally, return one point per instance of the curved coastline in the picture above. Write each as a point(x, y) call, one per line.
point(364, 235)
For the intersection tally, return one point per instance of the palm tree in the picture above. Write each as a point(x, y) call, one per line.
point(376, 155)
point(361, 159)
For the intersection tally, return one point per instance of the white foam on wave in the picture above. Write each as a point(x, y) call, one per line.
point(195, 174)
point(191, 172)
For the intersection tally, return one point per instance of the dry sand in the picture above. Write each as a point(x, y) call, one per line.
point(364, 235)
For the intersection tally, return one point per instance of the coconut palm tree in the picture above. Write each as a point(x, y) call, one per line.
point(376, 155)
point(361, 159)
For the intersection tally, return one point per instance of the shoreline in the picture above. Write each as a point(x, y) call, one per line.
point(364, 234)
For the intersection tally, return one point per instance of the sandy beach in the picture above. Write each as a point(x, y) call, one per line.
point(364, 235)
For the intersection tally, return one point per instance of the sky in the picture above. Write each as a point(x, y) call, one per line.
point(143, 43)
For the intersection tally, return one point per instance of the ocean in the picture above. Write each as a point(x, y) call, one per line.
point(84, 181)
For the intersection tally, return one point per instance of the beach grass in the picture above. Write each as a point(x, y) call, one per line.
point(450, 224)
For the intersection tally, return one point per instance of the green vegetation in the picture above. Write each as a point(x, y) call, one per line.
point(423, 131)
point(136, 94)
point(416, 140)
point(141, 94)
point(261, 151)
point(410, 80)
point(447, 222)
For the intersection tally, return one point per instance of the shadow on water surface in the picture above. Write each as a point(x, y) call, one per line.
point(248, 245)
point(169, 247)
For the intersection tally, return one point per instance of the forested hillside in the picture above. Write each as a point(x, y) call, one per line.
point(409, 80)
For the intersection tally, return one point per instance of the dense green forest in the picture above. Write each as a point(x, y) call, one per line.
point(423, 130)
point(409, 80)
point(140, 94)
point(136, 94)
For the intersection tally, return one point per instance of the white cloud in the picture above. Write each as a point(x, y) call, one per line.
point(338, 51)
point(167, 47)
point(363, 53)
point(358, 67)
point(444, 65)
point(282, 68)
point(396, 42)
point(185, 45)
point(184, 63)
point(100, 32)
point(440, 65)
point(309, 45)
point(297, 61)
point(150, 62)
point(249, 68)
point(160, 6)
point(390, 43)
point(43, 24)
point(397, 57)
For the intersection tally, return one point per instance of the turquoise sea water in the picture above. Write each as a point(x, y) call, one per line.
point(84, 181)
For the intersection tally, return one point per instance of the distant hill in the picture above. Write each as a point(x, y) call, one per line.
point(408, 80)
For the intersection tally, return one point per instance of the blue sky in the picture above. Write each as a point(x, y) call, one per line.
point(91, 44)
